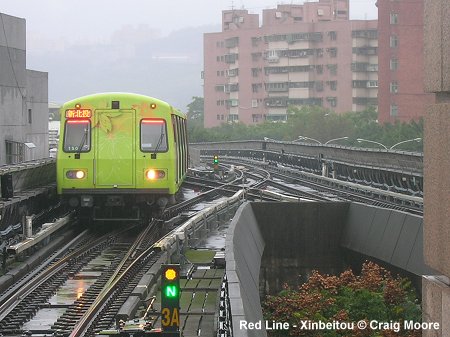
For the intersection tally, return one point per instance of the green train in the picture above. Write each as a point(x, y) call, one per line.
point(120, 155)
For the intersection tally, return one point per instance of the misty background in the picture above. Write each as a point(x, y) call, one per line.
point(134, 60)
point(146, 47)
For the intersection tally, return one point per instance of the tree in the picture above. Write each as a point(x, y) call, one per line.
point(373, 295)
point(196, 109)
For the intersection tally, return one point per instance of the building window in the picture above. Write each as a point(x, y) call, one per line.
point(15, 152)
point(218, 117)
point(256, 87)
point(394, 110)
point(255, 72)
point(333, 35)
point(394, 41)
point(254, 103)
point(256, 117)
point(233, 118)
point(332, 101)
point(394, 64)
point(319, 68)
point(333, 85)
point(332, 68)
point(333, 52)
point(30, 120)
point(394, 87)
point(394, 18)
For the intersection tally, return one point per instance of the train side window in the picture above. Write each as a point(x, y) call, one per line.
point(153, 135)
point(77, 135)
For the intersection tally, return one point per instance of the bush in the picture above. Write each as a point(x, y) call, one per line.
point(373, 295)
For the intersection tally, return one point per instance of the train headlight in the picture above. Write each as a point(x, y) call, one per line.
point(153, 174)
point(76, 174)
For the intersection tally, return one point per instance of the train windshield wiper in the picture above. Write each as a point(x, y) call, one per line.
point(161, 137)
point(83, 141)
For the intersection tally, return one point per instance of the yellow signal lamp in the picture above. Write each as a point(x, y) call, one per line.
point(170, 274)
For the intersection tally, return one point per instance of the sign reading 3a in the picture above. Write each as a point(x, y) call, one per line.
point(170, 299)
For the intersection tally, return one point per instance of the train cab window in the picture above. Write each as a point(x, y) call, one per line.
point(77, 136)
point(153, 135)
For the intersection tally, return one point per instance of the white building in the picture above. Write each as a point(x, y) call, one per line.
point(23, 98)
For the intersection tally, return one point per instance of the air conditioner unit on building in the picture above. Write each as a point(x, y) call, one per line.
point(278, 15)
point(320, 12)
point(241, 19)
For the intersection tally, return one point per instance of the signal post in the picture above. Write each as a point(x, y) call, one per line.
point(170, 300)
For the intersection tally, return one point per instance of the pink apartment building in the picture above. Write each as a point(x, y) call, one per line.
point(401, 94)
point(309, 54)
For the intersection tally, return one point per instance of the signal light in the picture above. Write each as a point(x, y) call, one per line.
point(170, 274)
point(170, 298)
point(216, 159)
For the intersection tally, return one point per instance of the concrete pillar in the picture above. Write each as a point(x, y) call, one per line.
point(324, 170)
point(436, 291)
point(28, 230)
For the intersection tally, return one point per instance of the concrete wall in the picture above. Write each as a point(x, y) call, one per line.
point(21, 90)
point(300, 237)
point(269, 244)
point(388, 235)
point(408, 162)
point(244, 249)
point(12, 81)
point(436, 298)
point(37, 101)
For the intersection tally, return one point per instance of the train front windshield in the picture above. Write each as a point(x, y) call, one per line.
point(77, 136)
point(153, 135)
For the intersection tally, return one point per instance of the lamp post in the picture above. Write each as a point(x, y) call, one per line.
point(406, 141)
point(359, 140)
point(334, 139)
point(304, 137)
point(267, 139)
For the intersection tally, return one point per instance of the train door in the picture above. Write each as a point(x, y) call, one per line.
point(177, 150)
point(114, 164)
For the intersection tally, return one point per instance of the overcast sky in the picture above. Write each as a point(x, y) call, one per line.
point(96, 20)
point(66, 37)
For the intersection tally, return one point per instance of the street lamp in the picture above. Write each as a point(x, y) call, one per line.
point(359, 140)
point(267, 139)
point(304, 137)
point(332, 140)
point(406, 141)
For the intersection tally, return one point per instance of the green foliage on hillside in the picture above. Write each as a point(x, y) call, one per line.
point(313, 122)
